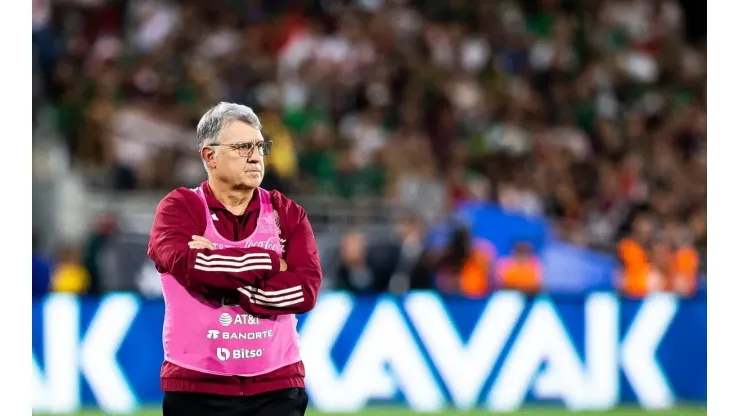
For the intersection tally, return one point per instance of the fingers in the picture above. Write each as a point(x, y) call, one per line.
point(200, 243)
point(200, 246)
point(283, 265)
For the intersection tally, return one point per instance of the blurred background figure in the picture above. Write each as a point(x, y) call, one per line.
point(522, 271)
point(466, 267)
point(96, 246)
point(356, 273)
point(405, 257)
point(70, 275)
point(637, 279)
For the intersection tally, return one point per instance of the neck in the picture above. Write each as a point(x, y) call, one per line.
point(235, 200)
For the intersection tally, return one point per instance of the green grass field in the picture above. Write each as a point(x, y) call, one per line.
point(681, 411)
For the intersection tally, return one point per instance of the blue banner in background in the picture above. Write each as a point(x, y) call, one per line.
point(503, 229)
point(420, 350)
point(571, 269)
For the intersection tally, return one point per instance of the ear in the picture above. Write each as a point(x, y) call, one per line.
point(208, 154)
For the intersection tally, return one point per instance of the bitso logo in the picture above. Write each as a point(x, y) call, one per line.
point(212, 334)
point(225, 319)
point(223, 354)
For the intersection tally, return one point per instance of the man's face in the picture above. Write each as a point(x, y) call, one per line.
point(643, 228)
point(238, 167)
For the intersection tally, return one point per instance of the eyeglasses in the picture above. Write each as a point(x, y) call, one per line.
point(245, 148)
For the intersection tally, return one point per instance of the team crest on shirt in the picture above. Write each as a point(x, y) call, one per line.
point(279, 231)
point(263, 224)
point(277, 221)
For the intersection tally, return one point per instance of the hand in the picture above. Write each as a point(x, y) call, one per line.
point(199, 242)
point(283, 265)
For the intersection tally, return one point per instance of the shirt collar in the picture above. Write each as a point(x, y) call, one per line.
point(213, 203)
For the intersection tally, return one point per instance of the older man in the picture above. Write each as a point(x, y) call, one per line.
point(237, 263)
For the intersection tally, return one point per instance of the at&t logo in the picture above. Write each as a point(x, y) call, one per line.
point(225, 319)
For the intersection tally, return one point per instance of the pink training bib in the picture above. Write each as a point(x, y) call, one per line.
point(206, 336)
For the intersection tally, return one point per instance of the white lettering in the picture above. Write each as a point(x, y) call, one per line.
point(98, 353)
point(602, 344)
point(379, 365)
point(542, 358)
point(327, 389)
point(543, 339)
point(95, 355)
point(600, 375)
point(386, 358)
point(271, 243)
point(245, 354)
point(59, 391)
point(246, 335)
point(246, 319)
point(464, 367)
point(638, 351)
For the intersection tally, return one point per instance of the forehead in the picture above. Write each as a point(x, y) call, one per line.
point(237, 131)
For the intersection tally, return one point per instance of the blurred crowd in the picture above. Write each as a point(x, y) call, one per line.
point(589, 112)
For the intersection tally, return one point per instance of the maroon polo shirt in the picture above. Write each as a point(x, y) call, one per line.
point(179, 216)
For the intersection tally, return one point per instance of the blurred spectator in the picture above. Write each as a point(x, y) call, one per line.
point(355, 273)
point(283, 160)
point(467, 266)
point(406, 257)
point(318, 161)
point(637, 280)
point(70, 275)
point(661, 265)
point(698, 227)
point(97, 242)
point(684, 269)
point(522, 271)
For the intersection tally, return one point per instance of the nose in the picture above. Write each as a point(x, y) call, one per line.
point(254, 155)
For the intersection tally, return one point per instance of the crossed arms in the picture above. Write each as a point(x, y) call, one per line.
point(266, 284)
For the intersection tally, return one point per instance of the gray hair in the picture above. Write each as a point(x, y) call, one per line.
point(218, 116)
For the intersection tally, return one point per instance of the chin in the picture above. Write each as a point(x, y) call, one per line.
point(245, 186)
point(251, 181)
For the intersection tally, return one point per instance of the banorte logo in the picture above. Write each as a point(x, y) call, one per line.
point(225, 319)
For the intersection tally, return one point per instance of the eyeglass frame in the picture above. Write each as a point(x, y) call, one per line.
point(248, 147)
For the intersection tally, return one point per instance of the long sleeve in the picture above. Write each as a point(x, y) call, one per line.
point(202, 270)
point(293, 291)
